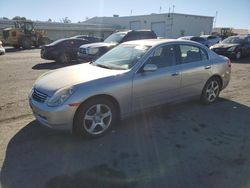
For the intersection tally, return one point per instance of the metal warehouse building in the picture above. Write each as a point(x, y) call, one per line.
point(169, 25)
point(57, 30)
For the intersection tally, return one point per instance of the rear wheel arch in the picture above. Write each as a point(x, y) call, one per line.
point(209, 92)
point(217, 77)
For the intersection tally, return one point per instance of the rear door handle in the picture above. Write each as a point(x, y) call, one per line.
point(207, 67)
point(176, 74)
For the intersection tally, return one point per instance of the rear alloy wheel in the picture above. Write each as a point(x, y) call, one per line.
point(238, 55)
point(64, 58)
point(95, 118)
point(211, 91)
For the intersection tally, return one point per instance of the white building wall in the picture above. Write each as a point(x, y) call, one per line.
point(173, 25)
point(191, 25)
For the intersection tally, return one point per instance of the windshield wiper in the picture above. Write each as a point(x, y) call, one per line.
point(102, 66)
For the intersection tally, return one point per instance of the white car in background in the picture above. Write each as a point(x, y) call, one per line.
point(2, 50)
point(212, 39)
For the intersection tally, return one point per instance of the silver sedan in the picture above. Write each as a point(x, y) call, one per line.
point(88, 99)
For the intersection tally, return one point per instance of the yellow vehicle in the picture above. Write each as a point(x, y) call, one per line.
point(24, 35)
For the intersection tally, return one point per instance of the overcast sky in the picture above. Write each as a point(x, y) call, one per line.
point(231, 13)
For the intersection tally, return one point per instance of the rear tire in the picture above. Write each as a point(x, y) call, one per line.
point(26, 43)
point(95, 118)
point(63, 58)
point(211, 91)
point(238, 55)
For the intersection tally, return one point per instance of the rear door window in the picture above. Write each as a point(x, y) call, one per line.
point(189, 54)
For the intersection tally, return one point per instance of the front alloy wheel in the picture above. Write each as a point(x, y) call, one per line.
point(95, 117)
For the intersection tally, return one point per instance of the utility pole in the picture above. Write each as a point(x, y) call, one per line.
point(215, 19)
point(172, 20)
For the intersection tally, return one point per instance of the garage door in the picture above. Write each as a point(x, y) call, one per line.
point(135, 25)
point(159, 28)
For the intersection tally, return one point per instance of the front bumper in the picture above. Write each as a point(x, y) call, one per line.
point(47, 55)
point(85, 57)
point(54, 117)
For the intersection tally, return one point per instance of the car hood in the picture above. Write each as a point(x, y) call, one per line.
point(99, 45)
point(52, 81)
point(221, 45)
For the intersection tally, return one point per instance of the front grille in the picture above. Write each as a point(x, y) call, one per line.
point(39, 96)
point(82, 51)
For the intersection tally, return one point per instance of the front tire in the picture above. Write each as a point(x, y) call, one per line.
point(95, 118)
point(211, 91)
point(238, 55)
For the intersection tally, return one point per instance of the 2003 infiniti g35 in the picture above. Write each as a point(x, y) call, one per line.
point(89, 98)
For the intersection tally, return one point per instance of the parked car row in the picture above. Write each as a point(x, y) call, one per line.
point(85, 48)
point(233, 47)
point(207, 40)
point(91, 52)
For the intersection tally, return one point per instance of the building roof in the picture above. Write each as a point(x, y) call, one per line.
point(146, 15)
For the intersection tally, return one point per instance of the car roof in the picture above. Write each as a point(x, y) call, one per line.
point(187, 37)
point(156, 42)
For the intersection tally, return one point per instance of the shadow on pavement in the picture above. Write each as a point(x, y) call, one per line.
point(185, 145)
point(53, 65)
point(11, 49)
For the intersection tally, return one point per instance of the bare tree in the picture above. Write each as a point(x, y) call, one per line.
point(65, 20)
point(19, 18)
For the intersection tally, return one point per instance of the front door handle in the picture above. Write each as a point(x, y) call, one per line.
point(176, 74)
point(208, 67)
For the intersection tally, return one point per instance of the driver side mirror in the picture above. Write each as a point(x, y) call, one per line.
point(150, 68)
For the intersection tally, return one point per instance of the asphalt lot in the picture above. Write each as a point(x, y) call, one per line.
point(184, 145)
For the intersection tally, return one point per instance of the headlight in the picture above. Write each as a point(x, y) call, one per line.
point(211, 47)
point(231, 49)
point(93, 51)
point(60, 96)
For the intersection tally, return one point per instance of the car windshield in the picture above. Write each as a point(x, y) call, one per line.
point(122, 57)
point(115, 38)
point(233, 40)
